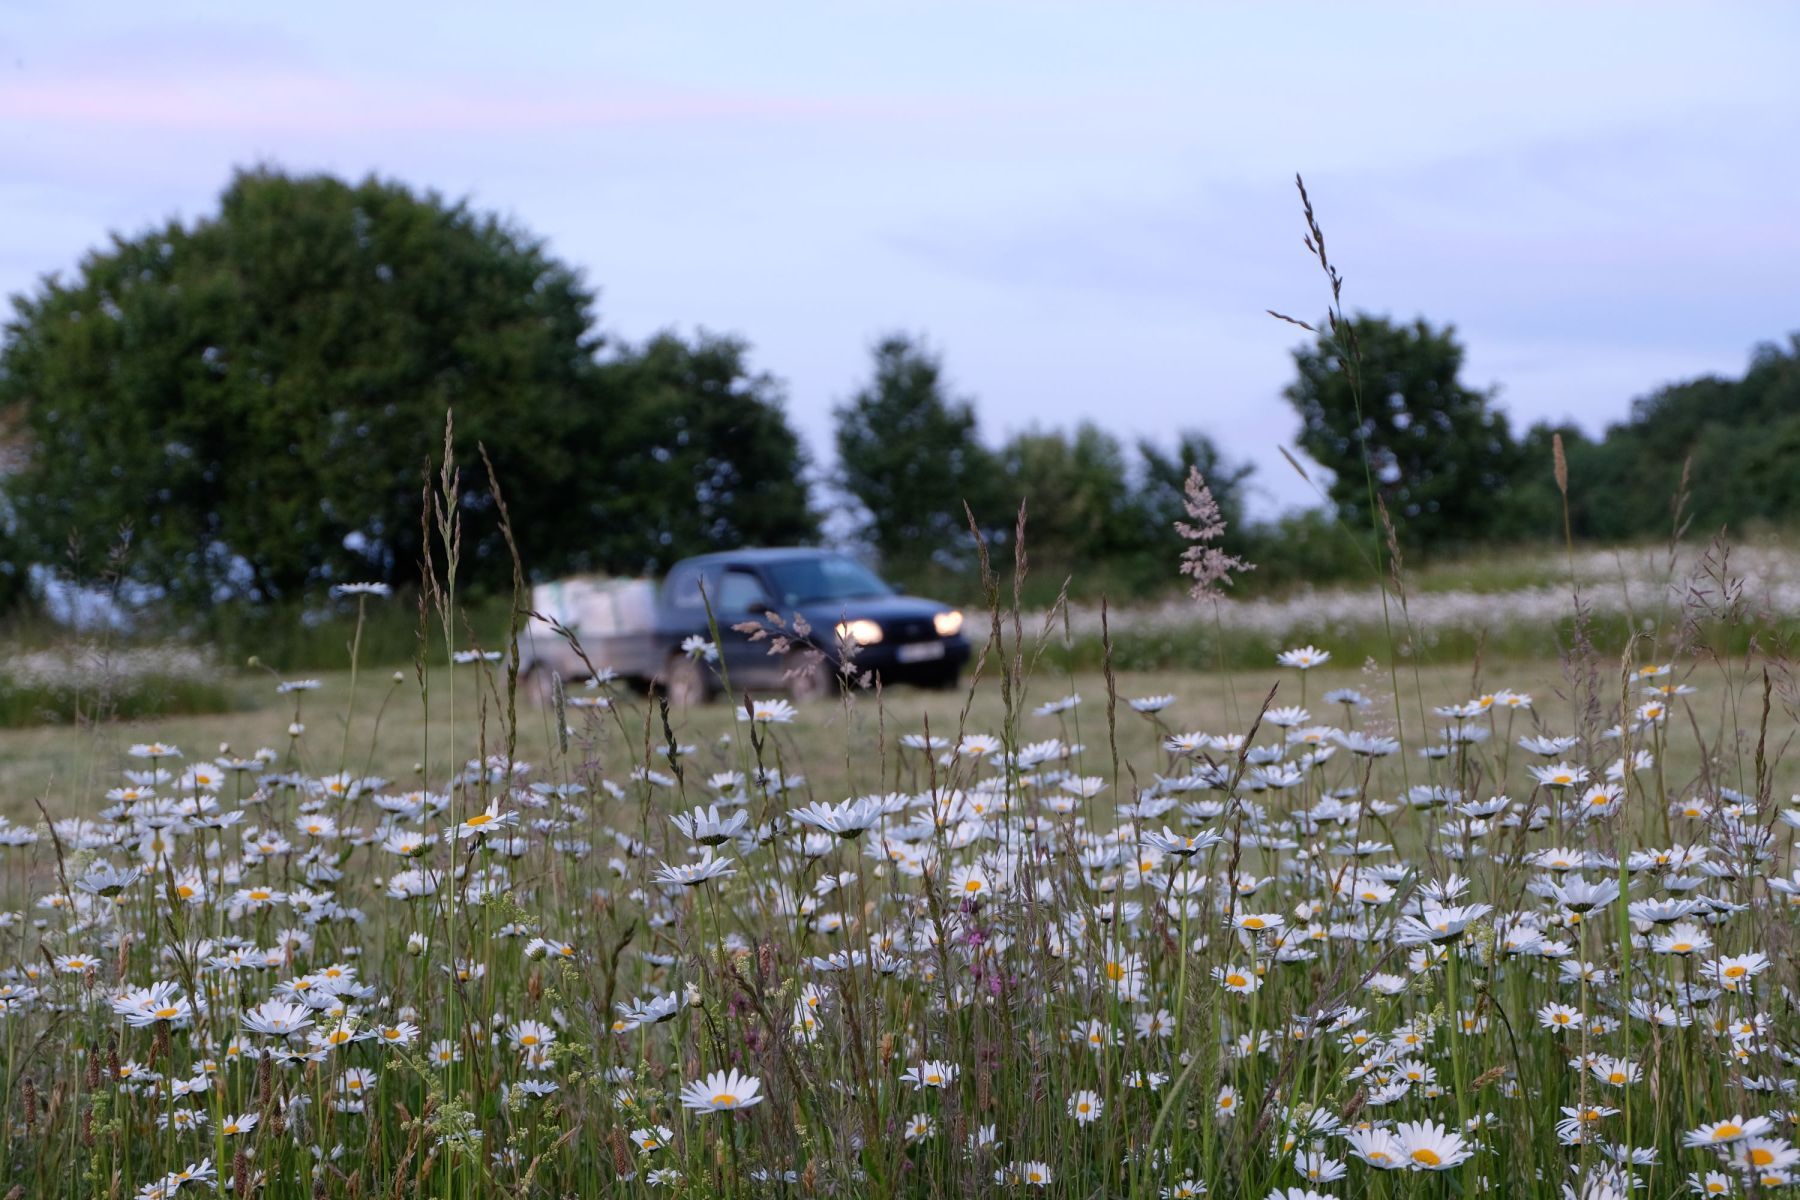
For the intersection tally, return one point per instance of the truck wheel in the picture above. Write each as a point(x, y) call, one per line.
point(812, 679)
point(537, 686)
point(685, 681)
point(942, 680)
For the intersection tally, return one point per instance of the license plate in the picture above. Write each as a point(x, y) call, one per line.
point(919, 652)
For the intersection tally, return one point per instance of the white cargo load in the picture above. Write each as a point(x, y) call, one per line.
point(601, 607)
point(611, 618)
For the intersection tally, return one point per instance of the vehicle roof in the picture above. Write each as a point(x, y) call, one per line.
point(762, 554)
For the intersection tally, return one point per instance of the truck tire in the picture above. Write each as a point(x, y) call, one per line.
point(944, 679)
point(812, 679)
point(537, 685)
point(686, 681)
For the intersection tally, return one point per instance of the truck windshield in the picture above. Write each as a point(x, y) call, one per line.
point(828, 577)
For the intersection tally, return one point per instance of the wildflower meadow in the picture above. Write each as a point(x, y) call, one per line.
point(1347, 942)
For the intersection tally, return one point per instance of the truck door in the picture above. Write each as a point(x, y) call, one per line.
point(741, 597)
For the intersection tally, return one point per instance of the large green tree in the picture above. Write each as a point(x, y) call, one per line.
point(1396, 410)
point(1078, 493)
point(909, 455)
point(1741, 435)
point(713, 463)
point(256, 392)
point(1163, 474)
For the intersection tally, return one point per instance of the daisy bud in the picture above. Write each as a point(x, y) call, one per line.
point(416, 944)
point(693, 996)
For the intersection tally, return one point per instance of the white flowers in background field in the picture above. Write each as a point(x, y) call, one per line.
point(88, 666)
point(1770, 579)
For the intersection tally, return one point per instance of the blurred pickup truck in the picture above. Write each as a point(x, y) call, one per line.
point(635, 629)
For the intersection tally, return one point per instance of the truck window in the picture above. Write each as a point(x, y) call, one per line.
point(741, 592)
point(684, 589)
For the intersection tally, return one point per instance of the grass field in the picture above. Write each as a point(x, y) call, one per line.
point(72, 764)
point(1528, 929)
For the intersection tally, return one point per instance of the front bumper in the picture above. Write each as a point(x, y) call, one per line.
point(923, 658)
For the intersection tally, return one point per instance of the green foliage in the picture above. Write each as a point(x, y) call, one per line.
point(1080, 501)
point(27, 703)
point(1440, 454)
point(257, 395)
point(909, 456)
point(1735, 440)
point(714, 462)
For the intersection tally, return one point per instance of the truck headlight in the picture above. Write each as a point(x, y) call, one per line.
point(947, 624)
point(859, 633)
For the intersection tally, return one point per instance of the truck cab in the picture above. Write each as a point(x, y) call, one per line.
point(752, 598)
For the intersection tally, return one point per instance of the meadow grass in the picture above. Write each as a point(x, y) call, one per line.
point(1258, 937)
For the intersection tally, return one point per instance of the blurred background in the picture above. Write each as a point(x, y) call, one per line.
point(701, 276)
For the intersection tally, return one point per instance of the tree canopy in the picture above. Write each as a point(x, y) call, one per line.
point(909, 455)
point(256, 395)
point(1438, 451)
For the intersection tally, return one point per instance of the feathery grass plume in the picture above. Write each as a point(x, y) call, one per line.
point(1210, 567)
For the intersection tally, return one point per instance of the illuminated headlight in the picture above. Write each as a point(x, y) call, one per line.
point(947, 624)
point(859, 633)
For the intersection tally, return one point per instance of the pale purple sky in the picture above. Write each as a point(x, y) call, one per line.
point(1086, 207)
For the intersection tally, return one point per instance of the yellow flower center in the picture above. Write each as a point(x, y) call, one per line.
point(166, 1014)
point(1236, 980)
point(529, 1039)
point(1428, 1156)
point(1726, 1131)
point(479, 819)
point(724, 1100)
point(974, 885)
point(1762, 1156)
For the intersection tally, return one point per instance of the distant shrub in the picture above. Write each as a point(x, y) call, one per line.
point(86, 681)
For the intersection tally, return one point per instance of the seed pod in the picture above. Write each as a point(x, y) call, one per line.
point(621, 1159)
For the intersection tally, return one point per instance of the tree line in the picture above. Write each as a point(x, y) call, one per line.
point(251, 403)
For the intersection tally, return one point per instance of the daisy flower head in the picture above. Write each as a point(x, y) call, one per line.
point(1085, 1107)
point(707, 827)
point(697, 647)
point(1428, 1146)
point(1305, 658)
point(722, 1091)
point(767, 712)
point(1731, 1129)
point(489, 820)
point(932, 1073)
point(697, 873)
